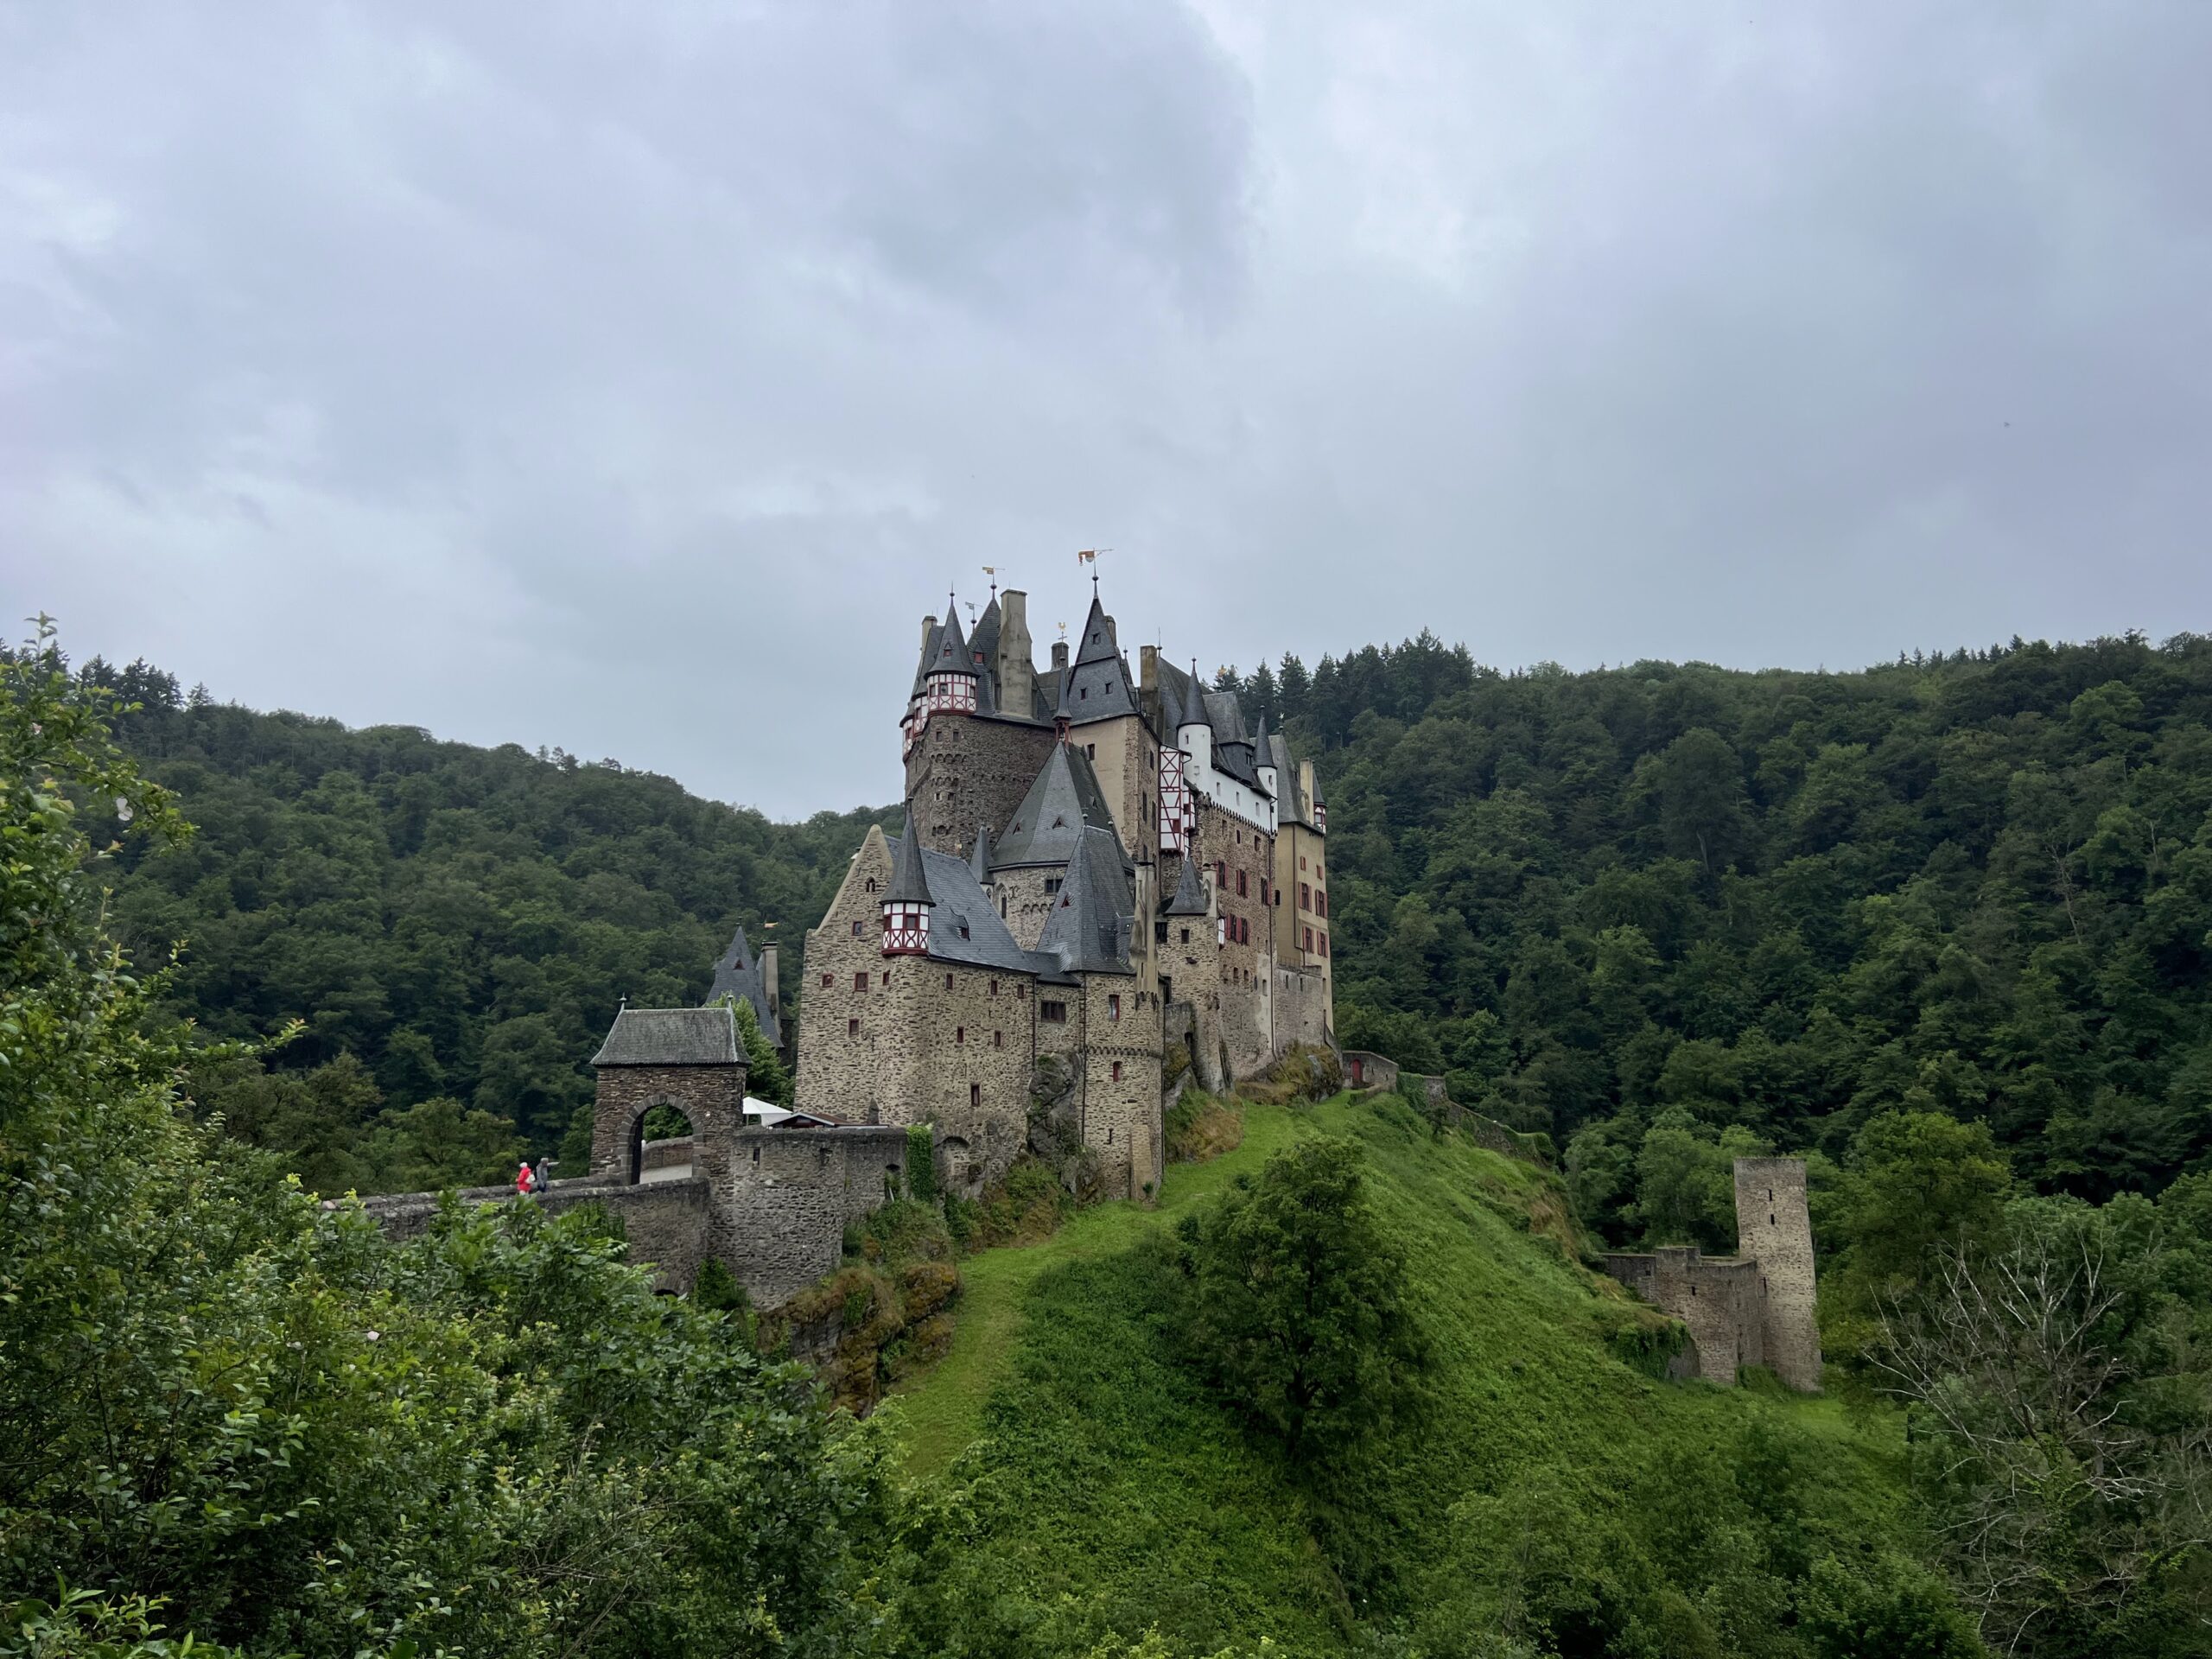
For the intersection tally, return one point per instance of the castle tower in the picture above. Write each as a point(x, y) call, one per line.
point(1774, 1228)
point(908, 904)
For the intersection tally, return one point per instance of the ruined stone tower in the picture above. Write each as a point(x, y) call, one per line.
point(1774, 1229)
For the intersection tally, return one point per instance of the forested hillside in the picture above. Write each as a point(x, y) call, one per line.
point(454, 925)
point(1978, 884)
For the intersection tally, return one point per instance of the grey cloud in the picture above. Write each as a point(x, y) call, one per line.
point(632, 380)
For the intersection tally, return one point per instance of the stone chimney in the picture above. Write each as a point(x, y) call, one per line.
point(1017, 673)
point(768, 980)
point(1148, 687)
point(929, 627)
point(1306, 787)
point(1059, 656)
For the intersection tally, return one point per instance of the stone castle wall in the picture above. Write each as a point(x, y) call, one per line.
point(1242, 972)
point(793, 1192)
point(1756, 1309)
point(1773, 1227)
point(976, 1032)
point(667, 1223)
point(1303, 1011)
point(712, 1096)
point(971, 770)
point(1121, 1115)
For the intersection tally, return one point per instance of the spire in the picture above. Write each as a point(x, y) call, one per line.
point(979, 861)
point(908, 885)
point(1194, 711)
point(1089, 929)
point(1097, 644)
point(1190, 898)
point(952, 655)
point(1064, 800)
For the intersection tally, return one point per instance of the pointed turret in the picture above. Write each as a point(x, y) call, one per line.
point(1190, 898)
point(1098, 685)
point(952, 655)
point(906, 905)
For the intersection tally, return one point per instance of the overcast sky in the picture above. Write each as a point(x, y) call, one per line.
point(633, 378)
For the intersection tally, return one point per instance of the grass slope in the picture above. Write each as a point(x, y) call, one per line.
point(1103, 1492)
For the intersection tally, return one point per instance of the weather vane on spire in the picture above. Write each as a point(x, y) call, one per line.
point(1090, 556)
point(992, 571)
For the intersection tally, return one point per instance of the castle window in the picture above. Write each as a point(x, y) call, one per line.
point(859, 931)
point(1052, 1014)
point(871, 884)
point(960, 1034)
point(1159, 932)
point(1309, 938)
point(1320, 902)
point(975, 1094)
point(1083, 695)
point(859, 981)
point(1186, 936)
point(1305, 895)
point(1052, 884)
point(998, 1039)
point(1021, 993)
point(964, 930)
point(1325, 945)
point(1114, 1008)
point(852, 1028)
point(825, 981)
point(1240, 885)
point(1117, 1078)
point(756, 1155)
point(1090, 751)
point(947, 982)
point(886, 975)
point(994, 988)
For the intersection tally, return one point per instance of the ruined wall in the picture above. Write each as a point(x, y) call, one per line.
point(969, 770)
point(667, 1223)
point(1717, 1300)
point(792, 1193)
point(1774, 1228)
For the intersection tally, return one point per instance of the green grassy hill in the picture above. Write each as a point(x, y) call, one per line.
point(1092, 1490)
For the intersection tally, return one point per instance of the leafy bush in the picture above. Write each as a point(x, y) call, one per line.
point(1296, 1308)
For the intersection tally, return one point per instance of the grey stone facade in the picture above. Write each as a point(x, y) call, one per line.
point(1756, 1308)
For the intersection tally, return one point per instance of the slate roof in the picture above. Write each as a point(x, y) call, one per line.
point(1295, 804)
point(950, 655)
point(964, 926)
point(1189, 897)
point(1098, 686)
point(1088, 932)
point(1062, 802)
point(740, 973)
point(979, 861)
point(987, 637)
point(671, 1037)
point(909, 882)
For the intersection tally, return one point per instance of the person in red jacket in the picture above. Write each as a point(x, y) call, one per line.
point(525, 1180)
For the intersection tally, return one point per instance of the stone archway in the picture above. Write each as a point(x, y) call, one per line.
point(661, 1142)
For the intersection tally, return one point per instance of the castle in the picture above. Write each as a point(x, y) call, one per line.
point(1097, 864)
point(1755, 1308)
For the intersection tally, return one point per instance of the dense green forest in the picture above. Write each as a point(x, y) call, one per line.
point(451, 927)
point(1978, 884)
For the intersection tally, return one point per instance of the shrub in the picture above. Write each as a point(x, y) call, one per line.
point(921, 1163)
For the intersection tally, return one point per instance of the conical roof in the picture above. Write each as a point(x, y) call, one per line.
point(1090, 927)
point(1064, 801)
point(1194, 701)
point(952, 655)
point(908, 885)
point(1190, 896)
point(986, 642)
point(1098, 644)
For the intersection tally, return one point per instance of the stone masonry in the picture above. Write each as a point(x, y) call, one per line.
point(1756, 1308)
